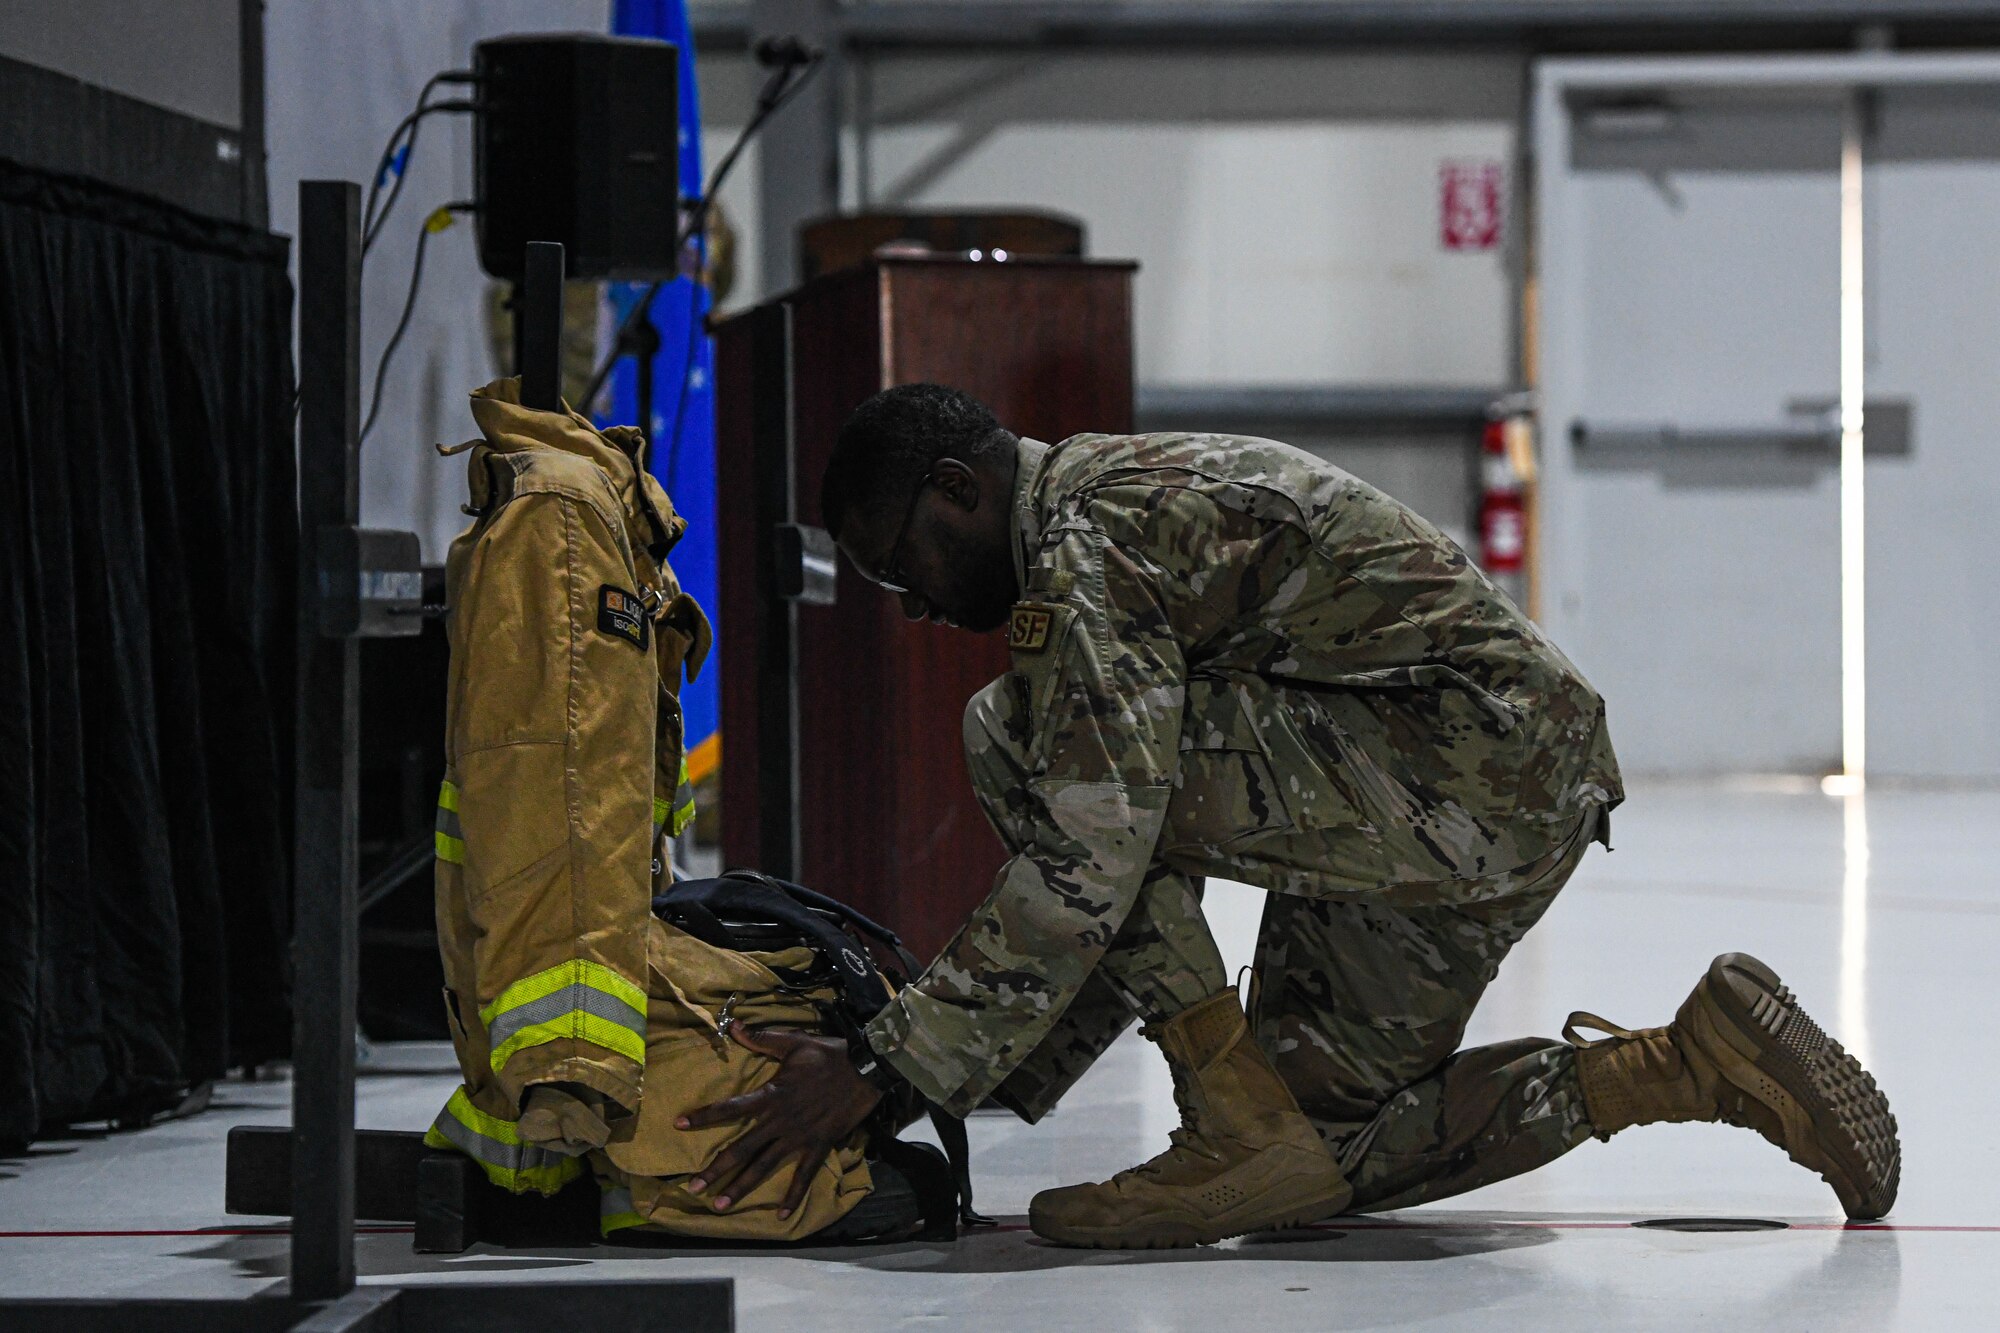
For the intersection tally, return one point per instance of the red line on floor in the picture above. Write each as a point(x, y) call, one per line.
point(1561, 1226)
point(200, 1231)
point(1615, 1226)
point(1607, 1225)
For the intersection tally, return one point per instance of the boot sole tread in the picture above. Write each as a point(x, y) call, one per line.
point(1862, 1154)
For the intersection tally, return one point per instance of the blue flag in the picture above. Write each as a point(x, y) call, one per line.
point(682, 430)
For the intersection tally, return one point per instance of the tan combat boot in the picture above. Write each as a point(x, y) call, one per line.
point(1244, 1159)
point(1742, 1052)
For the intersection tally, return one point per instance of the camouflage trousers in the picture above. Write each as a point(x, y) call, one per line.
point(1359, 997)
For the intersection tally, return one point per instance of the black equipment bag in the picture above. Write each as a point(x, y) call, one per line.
point(747, 911)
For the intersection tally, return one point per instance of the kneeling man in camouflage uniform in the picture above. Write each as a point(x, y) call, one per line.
point(1231, 658)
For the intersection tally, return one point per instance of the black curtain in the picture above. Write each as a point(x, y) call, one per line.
point(148, 538)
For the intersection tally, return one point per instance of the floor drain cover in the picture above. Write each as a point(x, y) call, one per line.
point(1712, 1224)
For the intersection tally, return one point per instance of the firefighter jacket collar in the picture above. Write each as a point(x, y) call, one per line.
point(619, 450)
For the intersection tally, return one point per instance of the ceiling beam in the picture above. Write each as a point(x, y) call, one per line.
point(1563, 25)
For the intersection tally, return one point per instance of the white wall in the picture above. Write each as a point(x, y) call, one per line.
point(1284, 208)
point(1271, 254)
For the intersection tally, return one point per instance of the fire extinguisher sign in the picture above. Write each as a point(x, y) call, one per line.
point(1469, 204)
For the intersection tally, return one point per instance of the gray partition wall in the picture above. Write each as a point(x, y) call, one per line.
point(1689, 256)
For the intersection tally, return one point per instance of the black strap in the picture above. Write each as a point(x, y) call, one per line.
point(861, 986)
point(663, 541)
point(726, 895)
point(951, 1133)
point(881, 934)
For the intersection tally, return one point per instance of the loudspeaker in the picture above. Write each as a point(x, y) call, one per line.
point(578, 142)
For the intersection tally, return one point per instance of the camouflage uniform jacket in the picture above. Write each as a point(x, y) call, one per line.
point(1181, 592)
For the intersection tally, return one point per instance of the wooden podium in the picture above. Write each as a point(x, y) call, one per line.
point(842, 765)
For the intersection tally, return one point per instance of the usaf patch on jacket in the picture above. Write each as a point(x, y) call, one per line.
point(622, 616)
point(1028, 628)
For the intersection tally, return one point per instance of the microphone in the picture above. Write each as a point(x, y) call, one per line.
point(776, 52)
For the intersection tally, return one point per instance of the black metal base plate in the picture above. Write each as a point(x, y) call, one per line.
point(398, 1179)
point(683, 1305)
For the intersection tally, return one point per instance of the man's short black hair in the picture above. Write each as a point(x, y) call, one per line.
point(892, 440)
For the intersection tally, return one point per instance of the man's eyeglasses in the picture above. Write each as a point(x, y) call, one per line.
point(892, 573)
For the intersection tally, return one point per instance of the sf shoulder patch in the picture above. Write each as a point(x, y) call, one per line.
point(1028, 630)
point(622, 616)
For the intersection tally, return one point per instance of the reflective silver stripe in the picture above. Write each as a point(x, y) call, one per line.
point(447, 823)
point(614, 1201)
point(555, 1004)
point(506, 1156)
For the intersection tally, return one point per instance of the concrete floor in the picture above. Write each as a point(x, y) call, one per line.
point(1883, 913)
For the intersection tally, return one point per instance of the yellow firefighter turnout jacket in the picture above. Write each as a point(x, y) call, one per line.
point(564, 771)
point(564, 776)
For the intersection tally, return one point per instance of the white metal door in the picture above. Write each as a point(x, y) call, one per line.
point(1689, 259)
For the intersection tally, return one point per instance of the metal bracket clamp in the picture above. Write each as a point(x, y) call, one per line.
point(371, 583)
point(808, 568)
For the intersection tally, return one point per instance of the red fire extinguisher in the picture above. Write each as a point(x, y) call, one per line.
point(1503, 513)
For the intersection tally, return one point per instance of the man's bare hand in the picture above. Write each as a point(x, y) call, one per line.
point(810, 1106)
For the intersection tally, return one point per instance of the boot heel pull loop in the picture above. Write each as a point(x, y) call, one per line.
point(1583, 1020)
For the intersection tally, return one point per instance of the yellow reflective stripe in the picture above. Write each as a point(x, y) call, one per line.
point(660, 809)
point(450, 838)
point(575, 999)
point(683, 800)
point(613, 1037)
point(616, 1211)
point(577, 971)
point(461, 1109)
point(496, 1145)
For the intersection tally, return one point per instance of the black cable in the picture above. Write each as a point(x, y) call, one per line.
point(389, 156)
point(774, 95)
point(402, 327)
point(409, 308)
point(371, 222)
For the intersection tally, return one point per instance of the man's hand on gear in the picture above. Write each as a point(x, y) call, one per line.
point(810, 1106)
